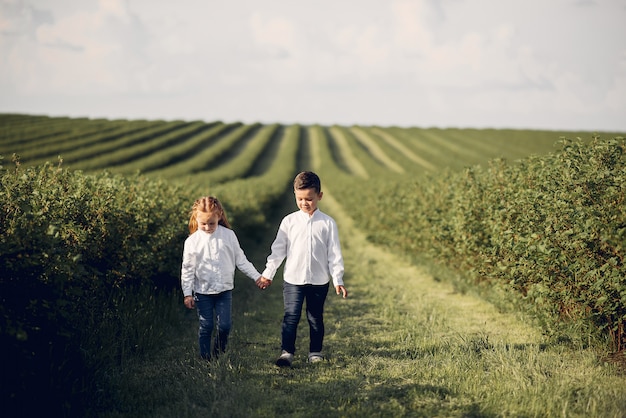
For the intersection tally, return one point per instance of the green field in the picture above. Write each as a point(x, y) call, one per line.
point(486, 269)
point(177, 149)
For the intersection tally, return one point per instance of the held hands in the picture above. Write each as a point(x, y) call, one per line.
point(263, 283)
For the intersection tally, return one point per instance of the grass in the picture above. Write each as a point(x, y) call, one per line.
point(402, 344)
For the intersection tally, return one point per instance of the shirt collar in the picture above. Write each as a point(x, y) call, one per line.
point(306, 215)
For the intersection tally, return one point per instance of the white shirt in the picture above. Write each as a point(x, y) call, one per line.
point(209, 262)
point(311, 246)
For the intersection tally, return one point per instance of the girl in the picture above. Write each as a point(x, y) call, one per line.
point(210, 255)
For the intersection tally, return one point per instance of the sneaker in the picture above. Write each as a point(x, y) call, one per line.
point(285, 359)
point(315, 357)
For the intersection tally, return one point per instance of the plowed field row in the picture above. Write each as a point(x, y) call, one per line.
point(224, 152)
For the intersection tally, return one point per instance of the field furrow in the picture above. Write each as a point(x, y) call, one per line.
point(80, 158)
point(130, 154)
point(419, 143)
point(404, 150)
point(35, 153)
point(181, 150)
point(342, 151)
point(208, 157)
point(375, 150)
point(39, 129)
point(55, 144)
point(409, 165)
point(243, 162)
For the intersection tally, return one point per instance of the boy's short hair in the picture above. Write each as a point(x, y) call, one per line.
point(307, 180)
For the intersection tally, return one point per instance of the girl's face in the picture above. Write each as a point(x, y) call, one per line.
point(207, 222)
point(307, 199)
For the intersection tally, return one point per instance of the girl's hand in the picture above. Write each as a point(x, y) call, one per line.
point(189, 303)
point(340, 290)
point(263, 283)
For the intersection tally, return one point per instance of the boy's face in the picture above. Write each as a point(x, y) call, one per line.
point(307, 199)
point(207, 223)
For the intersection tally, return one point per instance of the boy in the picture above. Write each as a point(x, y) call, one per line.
point(309, 240)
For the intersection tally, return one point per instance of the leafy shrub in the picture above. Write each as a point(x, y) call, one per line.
point(81, 254)
point(88, 266)
point(556, 233)
point(550, 228)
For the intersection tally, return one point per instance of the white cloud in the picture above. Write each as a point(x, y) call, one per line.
point(116, 8)
point(411, 33)
point(273, 31)
point(616, 93)
point(407, 62)
point(68, 55)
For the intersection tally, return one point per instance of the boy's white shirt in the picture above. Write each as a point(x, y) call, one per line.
point(311, 246)
point(209, 262)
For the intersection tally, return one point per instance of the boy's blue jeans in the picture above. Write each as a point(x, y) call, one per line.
point(294, 297)
point(206, 305)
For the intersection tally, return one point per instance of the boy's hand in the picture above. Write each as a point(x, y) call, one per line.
point(263, 283)
point(189, 303)
point(340, 290)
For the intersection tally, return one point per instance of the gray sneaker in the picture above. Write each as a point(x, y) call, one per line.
point(315, 357)
point(285, 359)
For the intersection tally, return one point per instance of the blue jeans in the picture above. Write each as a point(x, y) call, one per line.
point(294, 297)
point(207, 305)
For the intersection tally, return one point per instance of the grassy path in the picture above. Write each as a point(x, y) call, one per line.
point(410, 289)
point(401, 345)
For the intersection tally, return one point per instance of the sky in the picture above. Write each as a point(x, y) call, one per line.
point(520, 64)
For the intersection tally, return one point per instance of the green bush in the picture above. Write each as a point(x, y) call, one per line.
point(81, 255)
point(551, 229)
point(90, 267)
point(554, 229)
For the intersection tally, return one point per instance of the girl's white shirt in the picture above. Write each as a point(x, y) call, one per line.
point(209, 262)
point(311, 246)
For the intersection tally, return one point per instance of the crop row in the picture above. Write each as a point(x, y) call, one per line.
point(179, 149)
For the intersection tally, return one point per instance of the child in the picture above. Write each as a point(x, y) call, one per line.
point(309, 240)
point(210, 255)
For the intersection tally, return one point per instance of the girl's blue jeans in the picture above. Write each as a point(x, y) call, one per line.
point(294, 297)
point(218, 306)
